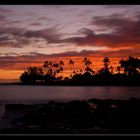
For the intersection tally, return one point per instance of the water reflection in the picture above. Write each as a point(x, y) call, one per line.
point(66, 93)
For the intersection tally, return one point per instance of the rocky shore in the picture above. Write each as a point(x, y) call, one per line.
point(76, 117)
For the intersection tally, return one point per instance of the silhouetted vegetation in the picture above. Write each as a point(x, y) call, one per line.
point(51, 73)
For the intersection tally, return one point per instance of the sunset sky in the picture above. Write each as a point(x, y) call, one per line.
point(31, 34)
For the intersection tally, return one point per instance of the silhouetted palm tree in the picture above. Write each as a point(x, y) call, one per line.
point(61, 70)
point(46, 64)
point(71, 63)
point(106, 61)
point(61, 63)
point(105, 70)
point(56, 70)
point(48, 67)
point(87, 64)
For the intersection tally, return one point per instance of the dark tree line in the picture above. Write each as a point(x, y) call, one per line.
point(127, 72)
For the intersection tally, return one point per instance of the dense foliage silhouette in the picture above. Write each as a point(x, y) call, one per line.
point(51, 73)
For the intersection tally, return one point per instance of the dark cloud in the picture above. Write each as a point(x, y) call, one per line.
point(4, 38)
point(12, 30)
point(88, 38)
point(115, 20)
point(12, 37)
point(92, 39)
point(124, 27)
point(16, 22)
point(4, 10)
point(22, 36)
point(2, 17)
point(100, 53)
point(125, 32)
point(36, 24)
point(44, 18)
point(75, 53)
point(50, 34)
point(10, 62)
point(9, 54)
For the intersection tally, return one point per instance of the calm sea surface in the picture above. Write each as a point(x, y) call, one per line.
point(65, 93)
point(42, 94)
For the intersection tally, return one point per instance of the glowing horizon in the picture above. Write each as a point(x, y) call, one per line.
point(68, 69)
point(32, 34)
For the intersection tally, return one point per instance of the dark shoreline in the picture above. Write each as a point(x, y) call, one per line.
point(72, 84)
point(94, 116)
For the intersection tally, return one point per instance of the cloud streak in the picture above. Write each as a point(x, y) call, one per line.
point(5, 10)
point(18, 37)
point(125, 32)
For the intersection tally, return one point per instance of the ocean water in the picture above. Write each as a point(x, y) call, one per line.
point(18, 93)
